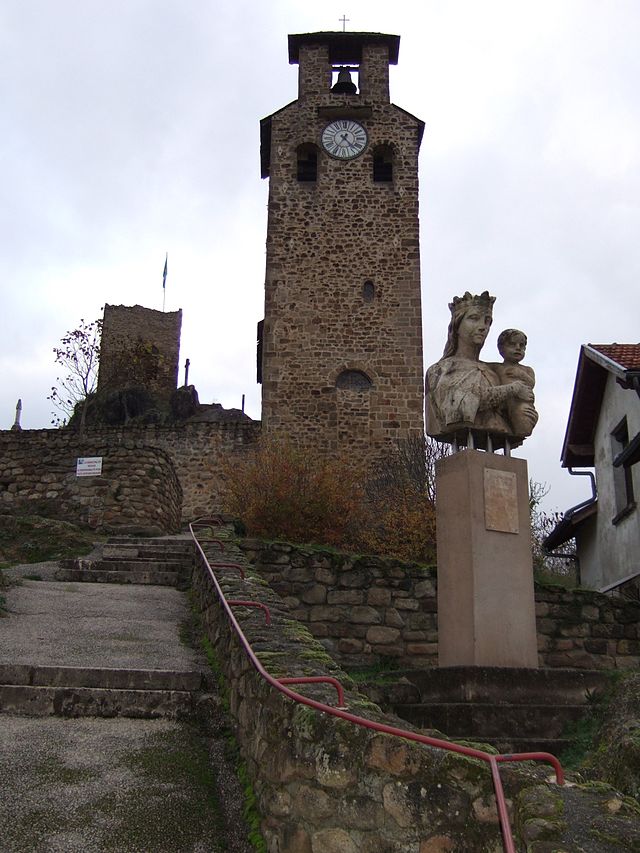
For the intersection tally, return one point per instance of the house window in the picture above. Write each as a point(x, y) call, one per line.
point(368, 291)
point(307, 159)
point(383, 164)
point(622, 474)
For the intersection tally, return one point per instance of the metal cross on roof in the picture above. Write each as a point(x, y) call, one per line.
point(344, 20)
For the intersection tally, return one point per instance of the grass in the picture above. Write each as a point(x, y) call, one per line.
point(33, 539)
point(379, 673)
point(250, 810)
point(584, 732)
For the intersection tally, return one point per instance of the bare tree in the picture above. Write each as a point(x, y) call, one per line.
point(542, 524)
point(410, 464)
point(78, 354)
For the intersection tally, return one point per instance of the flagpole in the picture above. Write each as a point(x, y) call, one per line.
point(164, 281)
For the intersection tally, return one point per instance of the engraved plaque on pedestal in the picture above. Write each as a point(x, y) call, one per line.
point(500, 501)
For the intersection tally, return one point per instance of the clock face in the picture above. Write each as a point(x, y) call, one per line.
point(344, 139)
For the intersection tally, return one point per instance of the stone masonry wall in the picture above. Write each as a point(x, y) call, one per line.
point(364, 609)
point(198, 451)
point(195, 451)
point(139, 346)
point(138, 488)
point(324, 785)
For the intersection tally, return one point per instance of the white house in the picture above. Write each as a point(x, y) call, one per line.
point(603, 432)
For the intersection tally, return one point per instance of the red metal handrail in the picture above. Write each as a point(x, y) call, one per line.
point(217, 542)
point(229, 566)
point(236, 602)
point(437, 743)
point(319, 679)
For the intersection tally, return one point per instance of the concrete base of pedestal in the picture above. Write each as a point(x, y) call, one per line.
point(486, 607)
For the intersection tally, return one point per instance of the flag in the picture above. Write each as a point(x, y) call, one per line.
point(164, 273)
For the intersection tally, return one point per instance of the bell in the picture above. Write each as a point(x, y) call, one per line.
point(344, 86)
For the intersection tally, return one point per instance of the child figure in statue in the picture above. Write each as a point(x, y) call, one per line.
point(512, 346)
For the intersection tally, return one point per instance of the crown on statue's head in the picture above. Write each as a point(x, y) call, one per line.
point(461, 304)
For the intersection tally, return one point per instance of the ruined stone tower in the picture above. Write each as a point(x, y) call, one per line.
point(139, 346)
point(340, 349)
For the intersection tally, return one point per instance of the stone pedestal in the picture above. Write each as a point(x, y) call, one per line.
point(486, 607)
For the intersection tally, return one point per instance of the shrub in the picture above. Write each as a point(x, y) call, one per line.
point(280, 491)
point(401, 501)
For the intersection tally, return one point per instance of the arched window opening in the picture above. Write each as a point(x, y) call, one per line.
point(368, 291)
point(383, 164)
point(353, 380)
point(307, 163)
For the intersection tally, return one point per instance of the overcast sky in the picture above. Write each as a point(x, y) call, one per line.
point(131, 128)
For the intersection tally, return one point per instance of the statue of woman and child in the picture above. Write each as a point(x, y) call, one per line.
point(476, 403)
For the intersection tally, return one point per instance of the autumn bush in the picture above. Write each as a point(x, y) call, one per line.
point(401, 498)
point(281, 491)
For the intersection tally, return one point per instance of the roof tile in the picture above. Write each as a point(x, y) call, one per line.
point(626, 355)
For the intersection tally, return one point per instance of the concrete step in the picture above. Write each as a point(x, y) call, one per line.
point(150, 577)
point(95, 692)
point(130, 565)
point(158, 562)
point(556, 746)
point(482, 720)
point(504, 685)
point(184, 546)
point(119, 679)
point(514, 709)
point(94, 702)
point(137, 552)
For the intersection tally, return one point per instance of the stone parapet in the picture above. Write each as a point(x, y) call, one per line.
point(362, 609)
point(325, 784)
point(34, 464)
point(137, 489)
point(368, 609)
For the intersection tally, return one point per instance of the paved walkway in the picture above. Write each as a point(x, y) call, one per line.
point(94, 785)
point(95, 624)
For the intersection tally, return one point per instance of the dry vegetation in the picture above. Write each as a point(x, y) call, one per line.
point(284, 492)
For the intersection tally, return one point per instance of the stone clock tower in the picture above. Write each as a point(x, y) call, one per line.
point(340, 348)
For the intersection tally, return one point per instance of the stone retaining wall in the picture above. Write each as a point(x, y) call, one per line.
point(361, 608)
point(138, 488)
point(195, 450)
point(324, 785)
point(364, 609)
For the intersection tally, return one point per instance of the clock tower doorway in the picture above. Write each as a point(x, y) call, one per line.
point(340, 347)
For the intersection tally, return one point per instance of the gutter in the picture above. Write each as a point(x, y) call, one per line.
point(564, 525)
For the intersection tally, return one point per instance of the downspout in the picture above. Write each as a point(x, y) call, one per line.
point(594, 491)
point(571, 511)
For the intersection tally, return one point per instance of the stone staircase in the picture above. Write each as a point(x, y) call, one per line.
point(166, 561)
point(515, 710)
point(69, 691)
point(73, 661)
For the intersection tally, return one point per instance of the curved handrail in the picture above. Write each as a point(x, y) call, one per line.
point(236, 602)
point(450, 746)
point(319, 679)
point(237, 566)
